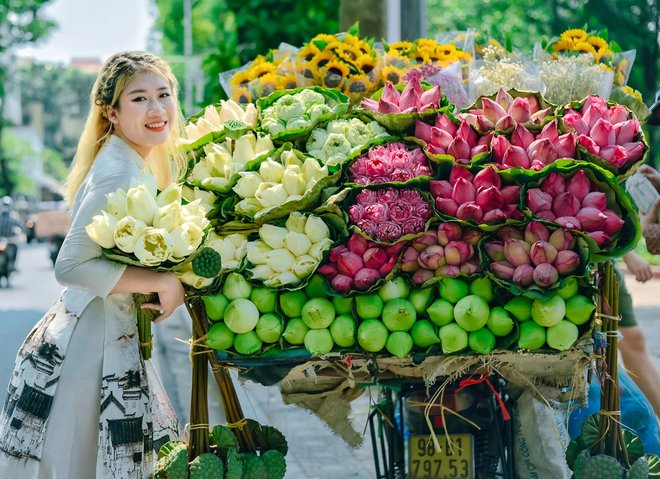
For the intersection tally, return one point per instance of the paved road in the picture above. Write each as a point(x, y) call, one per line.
point(315, 453)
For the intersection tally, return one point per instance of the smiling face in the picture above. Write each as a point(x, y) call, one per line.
point(144, 112)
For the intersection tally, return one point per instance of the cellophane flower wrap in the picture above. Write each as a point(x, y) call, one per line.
point(157, 230)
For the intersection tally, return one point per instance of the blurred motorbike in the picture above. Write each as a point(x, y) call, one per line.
point(8, 251)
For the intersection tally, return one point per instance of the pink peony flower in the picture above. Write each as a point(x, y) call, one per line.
point(367, 197)
point(413, 225)
point(377, 212)
point(400, 211)
point(388, 231)
point(368, 227)
point(388, 195)
point(355, 213)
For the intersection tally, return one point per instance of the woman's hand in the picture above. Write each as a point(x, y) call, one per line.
point(651, 174)
point(638, 266)
point(170, 296)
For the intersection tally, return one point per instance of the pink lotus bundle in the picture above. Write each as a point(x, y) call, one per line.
point(359, 264)
point(505, 113)
point(446, 137)
point(413, 99)
point(525, 150)
point(481, 198)
point(449, 251)
point(607, 132)
point(536, 256)
point(388, 214)
point(391, 162)
point(575, 203)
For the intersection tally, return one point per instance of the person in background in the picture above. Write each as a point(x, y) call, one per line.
point(82, 402)
point(11, 228)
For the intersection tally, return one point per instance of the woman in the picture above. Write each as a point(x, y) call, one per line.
point(81, 402)
point(651, 220)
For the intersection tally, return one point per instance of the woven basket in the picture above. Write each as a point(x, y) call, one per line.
point(652, 237)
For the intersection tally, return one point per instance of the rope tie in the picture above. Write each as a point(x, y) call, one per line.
point(484, 379)
point(240, 424)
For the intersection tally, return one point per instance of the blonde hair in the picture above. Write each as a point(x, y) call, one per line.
point(165, 161)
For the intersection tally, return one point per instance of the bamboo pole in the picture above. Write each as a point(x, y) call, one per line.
point(199, 407)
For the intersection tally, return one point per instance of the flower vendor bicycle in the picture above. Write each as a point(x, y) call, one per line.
point(460, 430)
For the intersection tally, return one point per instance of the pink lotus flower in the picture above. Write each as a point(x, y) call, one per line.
point(579, 185)
point(536, 231)
point(469, 267)
point(368, 227)
point(388, 195)
point(374, 257)
point(349, 263)
point(400, 211)
point(448, 232)
point(538, 200)
point(470, 211)
point(342, 283)
point(509, 232)
point(615, 154)
point(595, 199)
point(565, 146)
point(564, 204)
point(503, 270)
point(441, 188)
point(545, 275)
point(575, 121)
point(554, 184)
point(367, 197)
point(494, 216)
point(516, 252)
point(487, 177)
point(521, 137)
point(336, 251)
point(413, 225)
point(471, 237)
point(569, 222)
point(566, 262)
point(427, 239)
point(366, 278)
point(562, 240)
point(446, 205)
point(412, 98)
point(542, 252)
point(600, 237)
point(495, 250)
point(409, 260)
point(460, 172)
point(432, 257)
point(591, 219)
point(510, 194)
point(612, 224)
point(516, 157)
point(523, 275)
point(421, 276)
point(388, 231)
point(377, 213)
point(458, 252)
point(603, 133)
point(589, 144)
point(328, 270)
point(463, 192)
point(448, 271)
point(489, 199)
point(626, 131)
point(546, 215)
point(500, 144)
point(357, 244)
point(387, 267)
point(618, 114)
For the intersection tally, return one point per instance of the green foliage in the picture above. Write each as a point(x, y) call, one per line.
point(17, 153)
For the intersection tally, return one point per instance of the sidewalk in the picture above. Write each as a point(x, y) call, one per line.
point(314, 451)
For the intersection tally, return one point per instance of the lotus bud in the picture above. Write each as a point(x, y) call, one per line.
point(603, 133)
point(297, 243)
point(447, 271)
point(442, 188)
point(471, 237)
point(318, 249)
point(545, 275)
point(328, 270)
point(591, 218)
point(502, 269)
point(293, 181)
point(536, 231)
point(522, 137)
point(296, 222)
point(516, 252)
point(280, 260)
point(304, 266)
point(421, 276)
point(523, 275)
point(487, 177)
point(448, 232)
point(505, 123)
point(634, 150)
point(612, 224)
point(614, 154)
point(395, 249)
point(540, 116)
point(519, 109)
point(618, 114)
point(342, 283)
point(463, 192)
point(512, 212)
point(470, 211)
point(489, 199)
point(374, 258)
point(357, 244)
point(480, 122)
point(349, 263)
point(271, 171)
point(566, 262)
point(569, 222)
point(432, 257)
point(562, 240)
point(365, 278)
point(566, 204)
point(554, 184)
point(427, 239)
point(591, 116)
point(271, 194)
point(516, 157)
point(492, 110)
point(409, 260)
point(289, 158)
point(600, 237)
point(565, 146)
point(503, 98)
point(495, 250)
point(510, 194)
point(500, 145)
point(457, 252)
point(625, 132)
point(263, 144)
point(262, 272)
point(542, 252)
point(103, 230)
point(336, 252)
point(459, 148)
point(595, 199)
point(538, 200)
point(423, 131)
point(273, 236)
point(446, 206)
point(549, 132)
point(460, 172)
point(546, 215)
point(588, 144)
point(387, 267)
point(256, 251)
point(445, 123)
point(312, 170)
point(476, 150)
point(509, 232)
point(316, 229)
point(542, 151)
point(469, 267)
point(575, 121)
point(466, 132)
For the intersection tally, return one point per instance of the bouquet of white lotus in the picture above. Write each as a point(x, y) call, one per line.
point(159, 231)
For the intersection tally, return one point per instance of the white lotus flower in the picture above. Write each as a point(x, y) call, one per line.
point(303, 266)
point(171, 194)
point(141, 204)
point(168, 216)
point(261, 272)
point(271, 171)
point(317, 249)
point(273, 236)
point(297, 243)
point(271, 194)
point(316, 229)
point(153, 246)
point(293, 180)
point(101, 230)
point(186, 239)
point(281, 279)
point(248, 184)
point(317, 139)
point(296, 222)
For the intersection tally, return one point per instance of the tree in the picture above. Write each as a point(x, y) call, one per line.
point(20, 24)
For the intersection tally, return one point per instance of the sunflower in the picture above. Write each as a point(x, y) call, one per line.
point(286, 82)
point(364, 47)
point(420, 56)
point(366, 63)
point(348, 53)
point(308, 74)
point(392, 74)
point(241, 95)
point(335, 73)
point(320, 60)
point(240, 78)
point(400, 47)
point(260, 69)
point(461, 55)
point(268, 84)
point(426, 44)
point(324, 37)
point(597, 42)
point(601, 54)
point(308, 51)
point(575, 34)
point(446, 50)
point(351, 40)
point(584, 47)
point(357, 86)
point(334, 46)
point(563, 44)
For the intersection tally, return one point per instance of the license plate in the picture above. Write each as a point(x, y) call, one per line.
point(426, 462)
